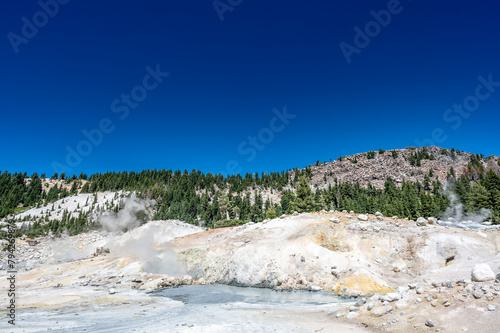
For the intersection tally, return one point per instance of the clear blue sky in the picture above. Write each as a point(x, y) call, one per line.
point(226, 77)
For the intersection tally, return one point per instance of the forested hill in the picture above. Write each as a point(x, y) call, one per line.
point(405, 182)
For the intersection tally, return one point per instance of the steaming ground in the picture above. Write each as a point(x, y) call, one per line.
point(422, 272)
point(73, 290)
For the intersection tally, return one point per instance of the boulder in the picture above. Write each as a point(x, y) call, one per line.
point(153, 285)
point(379, 214)
point(478, 293)
point(432, 220)
point(370, 306)
point(185, 280)
point(101, 251)
point(482, 273)
point(379, 311)
point(401, 304)
point(360, 302)
point(422, 222)
point(362, 217)
point(334, 220)
point(391, 297)
point(430, 323)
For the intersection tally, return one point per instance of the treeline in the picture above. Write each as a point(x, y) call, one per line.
point(217, 200)
point(191, 197)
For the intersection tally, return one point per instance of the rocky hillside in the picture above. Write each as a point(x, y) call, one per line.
point(374, 171)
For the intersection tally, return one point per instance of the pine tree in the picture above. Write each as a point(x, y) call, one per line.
point(225, 206)
point(305, 200)
point(271, 213)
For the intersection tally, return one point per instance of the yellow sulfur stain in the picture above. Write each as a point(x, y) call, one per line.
point(383, 252)
point(361, 283)
point(328, 238)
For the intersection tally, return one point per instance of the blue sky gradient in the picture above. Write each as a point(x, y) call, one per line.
point(227, 76)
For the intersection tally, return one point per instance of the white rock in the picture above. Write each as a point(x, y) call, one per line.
point(401, 304)
point(482, 273)
point(361, 302)
point(391, 297)
point(315, 288)
point(478, 294)
point(403, 289)
point(351, 315)
point(362, 217)
point(421, 222)
point(380, 310)
point(491, 307)
point(430, 323)
point(334, 220)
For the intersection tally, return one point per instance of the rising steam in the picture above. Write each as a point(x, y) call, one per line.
point(140, 243)
point(130, 216)
point(454, 215)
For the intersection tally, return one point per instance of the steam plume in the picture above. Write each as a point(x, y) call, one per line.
point(142, 246)
point(454, 215)
point(126, 218)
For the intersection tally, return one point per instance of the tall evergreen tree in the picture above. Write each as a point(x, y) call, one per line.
point(305, 200)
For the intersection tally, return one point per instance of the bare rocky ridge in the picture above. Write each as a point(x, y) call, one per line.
point(375, 171)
